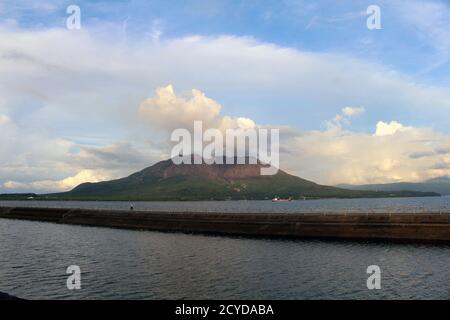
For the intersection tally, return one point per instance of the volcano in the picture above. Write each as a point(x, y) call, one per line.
point(166, 181)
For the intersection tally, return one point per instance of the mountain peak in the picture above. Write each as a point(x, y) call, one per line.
point(230, 168)
point(166, 180)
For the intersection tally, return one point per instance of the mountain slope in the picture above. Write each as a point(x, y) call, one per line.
point(167, 181)
point(438, 185)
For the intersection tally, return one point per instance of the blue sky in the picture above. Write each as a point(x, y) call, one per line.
point(406, 43)
point(292, 63)
point(338, 26)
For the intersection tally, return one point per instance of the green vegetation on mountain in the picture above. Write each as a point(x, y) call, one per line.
point(18, 196)
point(167, 181)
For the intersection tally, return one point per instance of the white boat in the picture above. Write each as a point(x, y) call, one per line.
point(277, 199)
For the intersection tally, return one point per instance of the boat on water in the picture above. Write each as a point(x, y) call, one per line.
point(277, 199)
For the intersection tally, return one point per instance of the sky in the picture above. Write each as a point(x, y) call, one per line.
point(354, 105)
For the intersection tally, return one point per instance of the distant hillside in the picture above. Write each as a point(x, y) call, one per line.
point(167, 181)
point(439, 185)
point(18, 196)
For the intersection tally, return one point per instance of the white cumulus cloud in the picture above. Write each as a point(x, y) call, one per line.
point(168, 111)
point(388, 129)
point(57, 185)
point(69, 98)
point(353, 111)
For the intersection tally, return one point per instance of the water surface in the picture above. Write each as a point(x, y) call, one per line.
point(420, 204)
point(125, 264)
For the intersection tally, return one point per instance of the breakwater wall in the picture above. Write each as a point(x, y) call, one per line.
point(433, 227)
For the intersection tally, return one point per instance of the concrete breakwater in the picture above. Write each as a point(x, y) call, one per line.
point(433, 227)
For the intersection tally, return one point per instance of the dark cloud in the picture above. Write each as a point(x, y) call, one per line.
point(442, 150)
point(418, 155)
point(115, 156)
point(441, 166)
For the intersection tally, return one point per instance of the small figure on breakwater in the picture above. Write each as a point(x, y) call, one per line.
point(131, 207)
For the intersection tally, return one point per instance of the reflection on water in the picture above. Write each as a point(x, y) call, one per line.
point(125, 264)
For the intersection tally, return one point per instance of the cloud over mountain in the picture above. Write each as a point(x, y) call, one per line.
point(69, 101)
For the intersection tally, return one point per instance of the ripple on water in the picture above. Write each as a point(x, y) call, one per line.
point(123, 264)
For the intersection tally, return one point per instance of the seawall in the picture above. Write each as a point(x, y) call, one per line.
point(432, 227)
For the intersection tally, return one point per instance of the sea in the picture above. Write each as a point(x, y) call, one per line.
point(126, 264)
